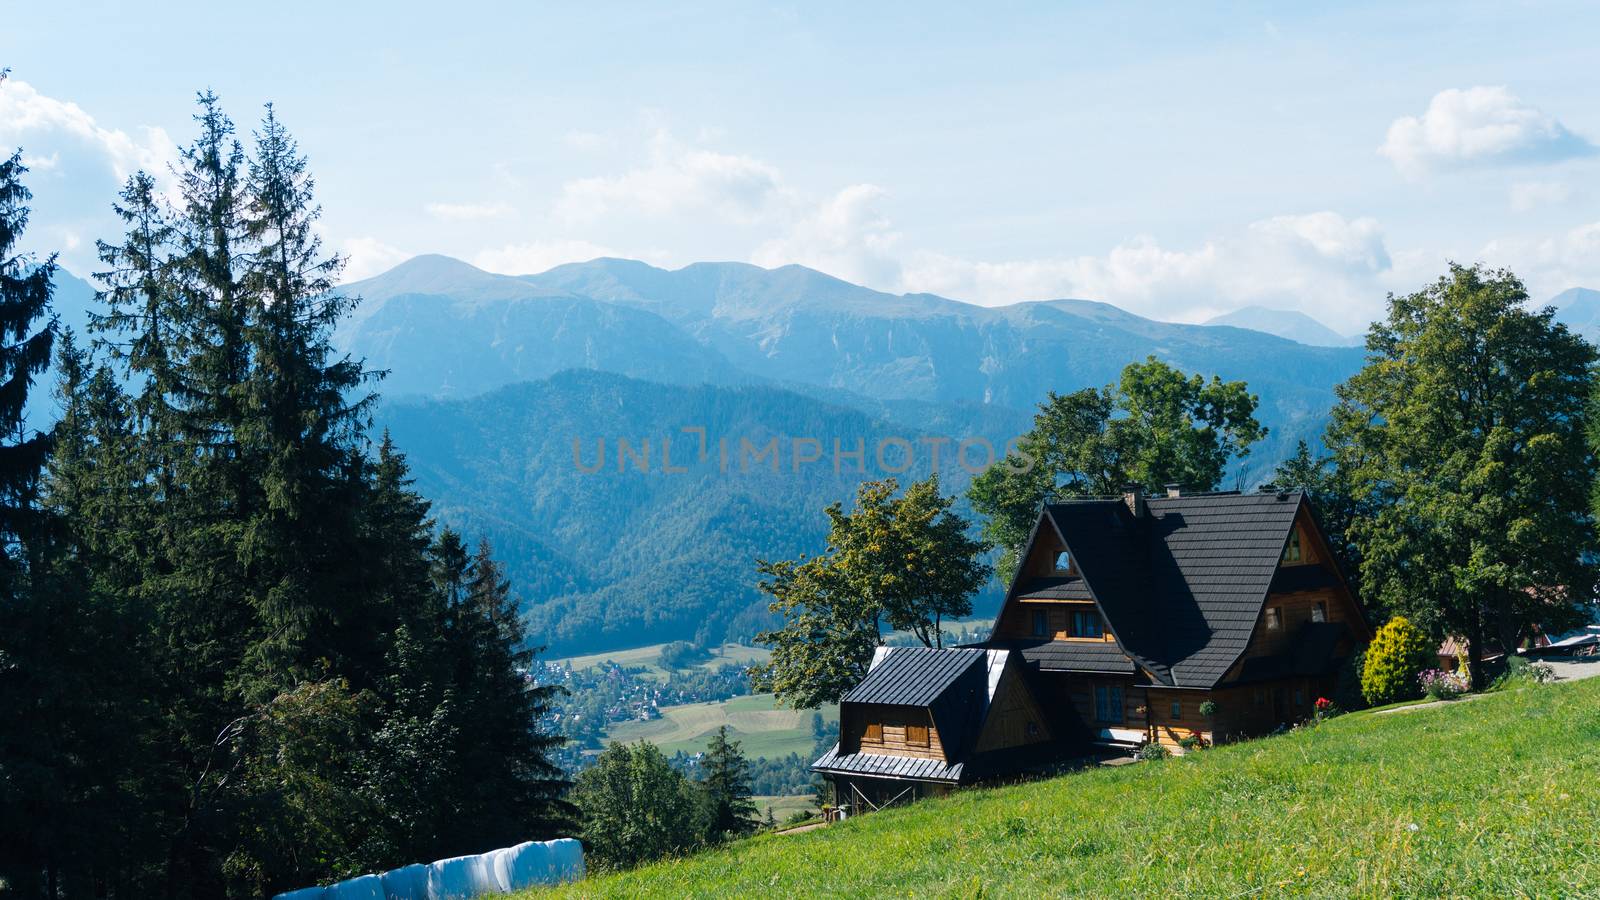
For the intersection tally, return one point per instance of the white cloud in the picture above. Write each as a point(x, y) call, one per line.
point(678, 180)
point(1320, 263)
point(1479, 125)
point(847, 236)
point(468, 212)
point(1527, 196)
point(1549, 265)
point(368, 256)
point(538, 256)
point(31, 119)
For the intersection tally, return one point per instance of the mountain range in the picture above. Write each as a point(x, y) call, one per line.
point(1286, 323)
point(501, 389)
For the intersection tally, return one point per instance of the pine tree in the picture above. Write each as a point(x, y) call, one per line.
point(731, 812)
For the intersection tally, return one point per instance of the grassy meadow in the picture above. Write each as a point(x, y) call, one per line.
point(1496, 796)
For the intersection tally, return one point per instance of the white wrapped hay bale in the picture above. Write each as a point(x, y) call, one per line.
point(566, 859)
point(527, 865)
point(366, 887)
point(406, 883)
point(500, 866)
point(460, 878)
point(315, 893)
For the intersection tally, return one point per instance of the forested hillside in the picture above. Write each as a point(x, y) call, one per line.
point(621, 557)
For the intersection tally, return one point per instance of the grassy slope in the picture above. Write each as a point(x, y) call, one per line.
point(762, 728)
point(1496, 797)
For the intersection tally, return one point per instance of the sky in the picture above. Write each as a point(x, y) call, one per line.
point(1175, 161)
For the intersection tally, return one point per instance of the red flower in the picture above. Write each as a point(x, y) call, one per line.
point(1324, 704)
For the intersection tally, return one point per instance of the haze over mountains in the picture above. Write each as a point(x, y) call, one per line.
point(1287, 323)
point(483, 397)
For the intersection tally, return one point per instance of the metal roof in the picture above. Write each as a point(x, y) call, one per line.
point(912, 676)
point(882, 765)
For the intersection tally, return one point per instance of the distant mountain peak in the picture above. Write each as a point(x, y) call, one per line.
point(1285, 323)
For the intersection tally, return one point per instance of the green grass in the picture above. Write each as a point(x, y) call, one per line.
point(1497, 797)
point(649, 658)
point(761, 727)
point(782, 807)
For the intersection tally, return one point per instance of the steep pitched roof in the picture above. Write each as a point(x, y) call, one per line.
point(1183, 586)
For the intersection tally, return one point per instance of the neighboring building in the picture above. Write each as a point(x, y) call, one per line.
point(1125, 615)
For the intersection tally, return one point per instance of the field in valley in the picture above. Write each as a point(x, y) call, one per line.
point(762, 727)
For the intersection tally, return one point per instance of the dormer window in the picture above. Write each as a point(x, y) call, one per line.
point(1063, 562)
point(1041, 623)
point(1291, 552)
point(1274, 619)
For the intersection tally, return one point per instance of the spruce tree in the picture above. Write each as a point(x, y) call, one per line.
point(731, 812)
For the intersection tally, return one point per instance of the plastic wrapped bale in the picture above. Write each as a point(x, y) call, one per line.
point(526, 865)
point(315, 893)
point(460, 878)
point(366, 887)
point(499, 863)
point(566, 859)
point(406, 883)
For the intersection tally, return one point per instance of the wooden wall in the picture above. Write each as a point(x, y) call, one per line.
point(1167, 730)
point(1017, 623)
point(1010, 712)
point(894, 720)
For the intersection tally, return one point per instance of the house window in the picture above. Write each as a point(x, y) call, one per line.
point(1064, 562)
point(1291, 552)
point(1319, 612)
point(1299, 698)
point(1087, 625)
point(917, 735)
point(1274, 619)
point(1177, 709)
point(1041, 623)
point(874, 733)
point(1033, 728)
point(1108, 703)
point(1259, 699)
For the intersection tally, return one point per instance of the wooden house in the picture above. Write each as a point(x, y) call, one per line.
point(1124, 618)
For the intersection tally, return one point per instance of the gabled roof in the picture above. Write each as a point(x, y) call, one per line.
point(1047, 655)
point(912, 676)
point(1181, 588)
point(955, 684)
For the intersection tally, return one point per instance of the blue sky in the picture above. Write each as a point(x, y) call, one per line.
point(1177, 162)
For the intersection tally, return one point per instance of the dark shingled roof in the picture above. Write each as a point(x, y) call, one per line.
point(1070, 587)
point(1071, 656)
point(913, 676)
point(1182, 587)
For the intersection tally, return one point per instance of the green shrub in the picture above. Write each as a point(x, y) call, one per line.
point(1154, 751)
point(1191, 743)
point(1208, 708)
point(1397, 655)
point(1520, 670)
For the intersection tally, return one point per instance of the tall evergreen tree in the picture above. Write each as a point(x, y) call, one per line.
point(730, 810)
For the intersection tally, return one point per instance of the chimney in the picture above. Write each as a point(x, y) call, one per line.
point(1174, 490)
point(1133, 495)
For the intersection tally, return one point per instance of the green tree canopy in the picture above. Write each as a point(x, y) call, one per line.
point(636, 807)
point(1156, 426)
point(1465, 434)
point(902, 561)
